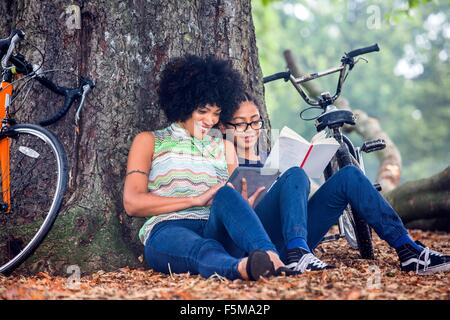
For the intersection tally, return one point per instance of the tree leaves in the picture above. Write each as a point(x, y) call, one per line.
point(349, 281)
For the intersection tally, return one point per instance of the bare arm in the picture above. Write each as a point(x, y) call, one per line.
point(137, 200)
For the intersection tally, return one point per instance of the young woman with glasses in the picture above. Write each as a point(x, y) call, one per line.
point(296, 223)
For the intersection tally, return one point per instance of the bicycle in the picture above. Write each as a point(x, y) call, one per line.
point(34, 166)
point(351, 226)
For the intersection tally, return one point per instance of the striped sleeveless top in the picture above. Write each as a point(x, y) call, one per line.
point(184, 166)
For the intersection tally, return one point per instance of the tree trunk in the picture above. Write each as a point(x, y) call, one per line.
point(424, 204)
point(123, 46)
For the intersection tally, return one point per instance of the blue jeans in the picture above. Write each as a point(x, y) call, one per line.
point(234, 228)
point(286, 212)
point(200, 246)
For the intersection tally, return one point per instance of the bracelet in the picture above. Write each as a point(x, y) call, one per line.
point(136, 171)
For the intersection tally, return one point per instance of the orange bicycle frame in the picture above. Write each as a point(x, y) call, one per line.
point(5, 96)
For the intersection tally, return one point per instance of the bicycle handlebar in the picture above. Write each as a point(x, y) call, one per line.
point(7, 45)
point(70, 95)
point(22, 66)
point(360, 51)
point(325, 99)
point(280, 75)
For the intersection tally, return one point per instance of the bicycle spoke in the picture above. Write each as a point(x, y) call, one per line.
point(28, 182)
point(35, 173)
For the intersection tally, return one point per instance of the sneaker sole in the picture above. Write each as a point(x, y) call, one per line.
point(259, 265)
point(441, 268)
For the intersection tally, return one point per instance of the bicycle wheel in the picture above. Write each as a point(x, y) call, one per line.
point(35, 182)
point(357, 232)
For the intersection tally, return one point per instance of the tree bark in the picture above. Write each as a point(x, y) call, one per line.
point(123, 46)
point(425, 203)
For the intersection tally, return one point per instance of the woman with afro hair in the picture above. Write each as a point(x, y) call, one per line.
point(176, 177)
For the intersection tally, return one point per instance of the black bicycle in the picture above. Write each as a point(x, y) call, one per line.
point(331, 119)
point(34, 167)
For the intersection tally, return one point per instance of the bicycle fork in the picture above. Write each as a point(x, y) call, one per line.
point(343, 158)
point(5, 98)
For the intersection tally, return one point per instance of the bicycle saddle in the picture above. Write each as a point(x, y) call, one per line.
point(335, 118)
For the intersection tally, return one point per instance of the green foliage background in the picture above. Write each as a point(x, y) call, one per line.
point(413, 109)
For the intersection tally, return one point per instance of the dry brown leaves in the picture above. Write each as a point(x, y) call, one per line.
point(353, 279)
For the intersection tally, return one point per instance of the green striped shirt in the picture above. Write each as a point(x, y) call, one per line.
point(184, 166)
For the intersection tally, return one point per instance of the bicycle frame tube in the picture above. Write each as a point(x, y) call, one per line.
point(296, 82)
point(313, 76)
point(5, 96)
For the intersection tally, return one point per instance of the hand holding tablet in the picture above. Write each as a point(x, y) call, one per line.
point(254, 179)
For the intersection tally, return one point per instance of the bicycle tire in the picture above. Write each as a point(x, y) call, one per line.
point(361, 229)
point(50, 141)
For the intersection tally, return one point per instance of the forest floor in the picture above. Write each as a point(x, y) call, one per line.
point(353, 279)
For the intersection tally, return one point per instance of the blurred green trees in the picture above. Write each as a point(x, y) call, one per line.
point(406, 85)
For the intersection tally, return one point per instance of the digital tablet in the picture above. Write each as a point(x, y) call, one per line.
point(256, 177)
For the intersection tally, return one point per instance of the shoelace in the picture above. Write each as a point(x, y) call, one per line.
point(308, 259)
point(426, 253)
point(431, 251)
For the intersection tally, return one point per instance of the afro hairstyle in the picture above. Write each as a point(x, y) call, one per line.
point(192, 82)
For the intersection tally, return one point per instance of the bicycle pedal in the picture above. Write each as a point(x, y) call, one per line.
point(377, 186)
point(373, 145)
point(333, 237)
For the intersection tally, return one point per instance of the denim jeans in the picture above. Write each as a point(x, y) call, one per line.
point(286, 212)
point(234, 229)
point(200, 246)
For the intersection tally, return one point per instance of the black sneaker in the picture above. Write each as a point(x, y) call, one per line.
point(422, 262)
point(259, 265)
point(299, 259)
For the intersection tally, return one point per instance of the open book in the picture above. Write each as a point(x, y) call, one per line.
point(293, 150)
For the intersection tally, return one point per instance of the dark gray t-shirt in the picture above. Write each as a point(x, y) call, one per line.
point(253, 163)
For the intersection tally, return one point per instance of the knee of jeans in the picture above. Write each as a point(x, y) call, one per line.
point(225, 193)
point(298, 174)
point(350, 170)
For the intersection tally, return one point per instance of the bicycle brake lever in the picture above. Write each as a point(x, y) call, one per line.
point(360, 58)
point(86, 88)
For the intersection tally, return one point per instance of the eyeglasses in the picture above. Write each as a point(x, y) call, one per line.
point(243, 126)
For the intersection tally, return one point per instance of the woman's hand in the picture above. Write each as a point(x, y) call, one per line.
point(206, 198)
point(251, 200)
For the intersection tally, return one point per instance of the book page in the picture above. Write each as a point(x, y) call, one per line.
point(321, 137)
point(287, 153)
point(291, 149)
point(319, 157)
point(289, 133)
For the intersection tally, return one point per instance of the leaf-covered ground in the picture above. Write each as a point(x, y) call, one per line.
point(353, 279)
